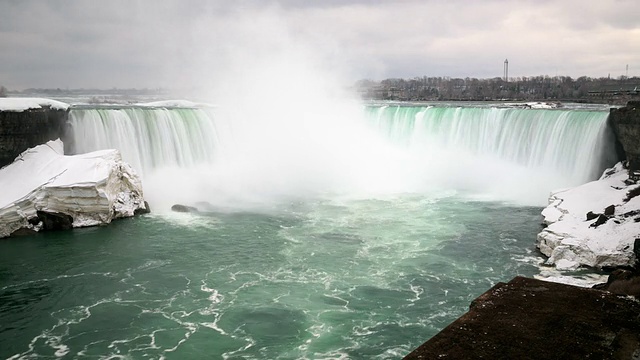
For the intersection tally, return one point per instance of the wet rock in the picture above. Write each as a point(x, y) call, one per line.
point(184, 208)
point(23, 232)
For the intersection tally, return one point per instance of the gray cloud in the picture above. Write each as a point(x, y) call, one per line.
point(203, 43)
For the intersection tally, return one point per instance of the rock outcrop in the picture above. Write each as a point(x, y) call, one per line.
point(44, 189)
point(622, 282)
point(533, 319)
point(595, 224)
point(626, 125)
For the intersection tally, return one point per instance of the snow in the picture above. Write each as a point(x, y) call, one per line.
point(542, 105)
point(570, 241)
point(581, 280)
point(92, 188)
point(536, 105)
point(175, 103)
point(22, 104)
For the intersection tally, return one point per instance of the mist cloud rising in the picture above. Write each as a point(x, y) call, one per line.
point(200, 44)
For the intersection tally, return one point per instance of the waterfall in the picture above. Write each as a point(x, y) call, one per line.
point(147, 137)
point(576, 144)
point(504, 153)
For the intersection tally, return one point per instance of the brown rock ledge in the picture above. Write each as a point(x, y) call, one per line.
point(533, 319)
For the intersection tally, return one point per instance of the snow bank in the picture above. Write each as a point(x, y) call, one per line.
point(92, 188)
point(571, 241)
point(22, 104)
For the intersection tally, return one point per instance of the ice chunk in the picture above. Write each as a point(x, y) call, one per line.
point(92, 188)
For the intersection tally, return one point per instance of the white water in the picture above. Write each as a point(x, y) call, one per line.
point(147, 138)
point(502, 153)
point(255, 158)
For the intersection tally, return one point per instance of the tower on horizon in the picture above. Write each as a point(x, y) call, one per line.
point(506, 70)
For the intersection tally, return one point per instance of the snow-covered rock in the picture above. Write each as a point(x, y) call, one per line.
point(571, 241)
point(536, 105)
point(92, 188)
point(543, 105)
point(21, 104)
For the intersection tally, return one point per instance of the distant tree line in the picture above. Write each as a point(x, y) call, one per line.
point(96, 95)
point(112, 91)
point(583, 89)
point(557, 88)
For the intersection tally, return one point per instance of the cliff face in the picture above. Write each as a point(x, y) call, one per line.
point(20, 130)
point(626, 125)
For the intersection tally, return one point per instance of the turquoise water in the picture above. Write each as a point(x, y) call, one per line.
point(315, 279)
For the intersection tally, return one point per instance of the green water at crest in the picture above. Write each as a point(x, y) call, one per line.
point(315, 279)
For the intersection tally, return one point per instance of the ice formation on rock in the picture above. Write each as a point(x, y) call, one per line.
point(92, 188)
point(571, 241)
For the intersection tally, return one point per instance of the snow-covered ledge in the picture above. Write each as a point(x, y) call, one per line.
point(22, 104)
point(88, 189)
point(571, 241)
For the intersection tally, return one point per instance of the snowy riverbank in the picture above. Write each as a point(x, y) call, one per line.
point(81, 190)
point(605, 240)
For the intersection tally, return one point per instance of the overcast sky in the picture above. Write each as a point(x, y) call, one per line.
point(105, 44)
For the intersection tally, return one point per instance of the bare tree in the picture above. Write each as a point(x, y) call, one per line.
point(3, 91)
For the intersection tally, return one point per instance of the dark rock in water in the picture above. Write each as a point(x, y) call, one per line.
point(184, 208)
point(534, 319)
point(55, 221)
point(591, 215)
point(146, 209)
point(610, 210)
point(601, 220)
point(23, 232)
point(636, 251)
